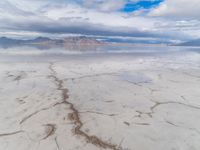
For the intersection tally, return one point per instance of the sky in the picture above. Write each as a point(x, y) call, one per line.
point(170, 20)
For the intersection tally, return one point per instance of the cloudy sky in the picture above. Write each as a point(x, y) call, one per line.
point(159, 19)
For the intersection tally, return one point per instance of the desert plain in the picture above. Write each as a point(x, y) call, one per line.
point(95, 101)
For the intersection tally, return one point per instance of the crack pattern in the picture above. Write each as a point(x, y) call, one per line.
point(158, 104)
point(50, 130)
point(99, 113)
point(93, 75)
point(57, 145)
point(179, 126)
point(11, 133)
point(18, 77)
point(35, 113)
point(75, 115)
point(141, 124)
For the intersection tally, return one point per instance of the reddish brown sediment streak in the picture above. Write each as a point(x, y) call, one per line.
point(74, 116)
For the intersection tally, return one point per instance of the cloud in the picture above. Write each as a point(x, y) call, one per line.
point(168, 20)
point(179, 16)
point(70, 25)
point(178, 8)
point(74, 19)
point(104, 5)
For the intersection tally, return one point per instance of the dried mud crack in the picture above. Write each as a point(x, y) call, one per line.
point(74, 116)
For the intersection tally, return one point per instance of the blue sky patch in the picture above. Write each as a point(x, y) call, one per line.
point(144, 4)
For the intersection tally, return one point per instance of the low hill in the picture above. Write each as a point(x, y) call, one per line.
point(190, 43)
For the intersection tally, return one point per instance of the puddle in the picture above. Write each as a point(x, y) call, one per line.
point(136, 78)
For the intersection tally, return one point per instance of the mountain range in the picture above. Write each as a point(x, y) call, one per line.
point(48, 42)
point(77, 42)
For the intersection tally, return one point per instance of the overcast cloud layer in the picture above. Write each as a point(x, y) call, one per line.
point(168, 19)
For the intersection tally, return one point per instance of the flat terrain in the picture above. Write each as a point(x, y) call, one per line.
point(100, 101)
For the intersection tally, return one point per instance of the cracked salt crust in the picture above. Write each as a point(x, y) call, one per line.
point(116, 104)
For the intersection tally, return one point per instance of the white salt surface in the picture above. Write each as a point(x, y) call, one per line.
point(117, 102)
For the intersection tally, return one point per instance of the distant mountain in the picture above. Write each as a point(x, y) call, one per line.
point(8, 42)
point(48, 43)
point(5, 40)
point(82, 40)
point(190, 43)
point(40, 39)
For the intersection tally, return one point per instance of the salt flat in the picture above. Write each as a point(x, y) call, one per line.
point(100, 101)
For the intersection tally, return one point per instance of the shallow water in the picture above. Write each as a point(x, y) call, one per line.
point(106, 52)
